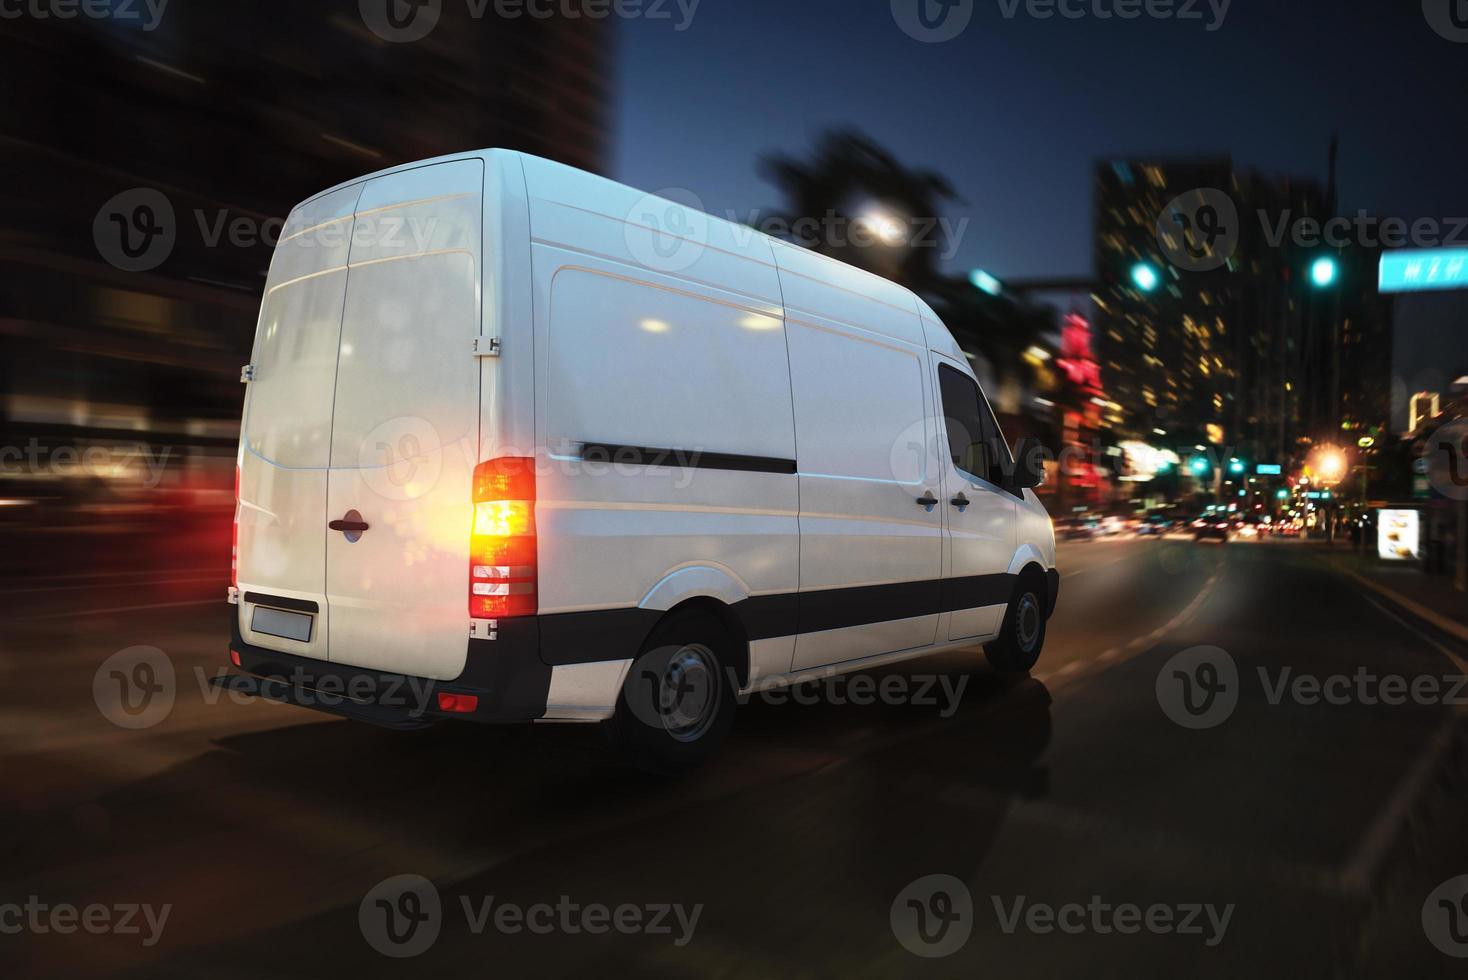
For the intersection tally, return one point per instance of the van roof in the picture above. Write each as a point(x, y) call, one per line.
point(944, 343)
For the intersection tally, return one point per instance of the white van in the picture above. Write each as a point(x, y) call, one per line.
point(523, 444)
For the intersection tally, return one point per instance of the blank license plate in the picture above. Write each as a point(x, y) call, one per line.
point(278, 622)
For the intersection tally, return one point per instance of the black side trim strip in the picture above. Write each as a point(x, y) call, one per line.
point(976, 591)
point(838, 608)
point(281, 602)
point(593, 637)
point(598, 452)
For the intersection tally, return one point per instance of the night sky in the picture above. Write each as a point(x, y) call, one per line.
point(1015, 111)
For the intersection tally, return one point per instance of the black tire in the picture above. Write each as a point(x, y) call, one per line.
point(677, 703)
point(1022, 636)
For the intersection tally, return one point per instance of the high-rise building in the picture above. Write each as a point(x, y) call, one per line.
point(1249, 353)
point(230, 117)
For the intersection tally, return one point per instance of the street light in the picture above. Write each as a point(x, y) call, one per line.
point(1324, 272)
point(1236, 466)
point(1145, 277)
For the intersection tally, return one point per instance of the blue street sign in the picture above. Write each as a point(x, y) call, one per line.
point(1268, 469)
point(1414, 271)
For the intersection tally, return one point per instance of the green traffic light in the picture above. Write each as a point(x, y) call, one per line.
point(1324, 272)
point(1145, 277)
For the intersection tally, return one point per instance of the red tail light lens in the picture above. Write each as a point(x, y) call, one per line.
point(459, 704)
point(502, 572)
point(234, 544)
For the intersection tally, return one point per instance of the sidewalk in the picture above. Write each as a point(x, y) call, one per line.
point(1428, 597)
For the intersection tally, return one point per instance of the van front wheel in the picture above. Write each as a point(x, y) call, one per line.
point(677, 703)
point(1022, 636)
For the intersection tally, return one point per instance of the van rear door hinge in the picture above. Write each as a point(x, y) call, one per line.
point(247, 373)
point(486, 347)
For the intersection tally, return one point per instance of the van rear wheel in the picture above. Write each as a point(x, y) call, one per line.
point(1022, 636)
point(677, 703)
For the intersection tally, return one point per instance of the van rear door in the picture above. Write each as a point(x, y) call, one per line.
point(286, 433)
point(405, 434)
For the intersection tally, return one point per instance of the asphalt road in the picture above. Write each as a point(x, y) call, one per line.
point(1080, 828)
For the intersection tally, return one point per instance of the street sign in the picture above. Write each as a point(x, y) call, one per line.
point(1409, 271)
point(1268, 469)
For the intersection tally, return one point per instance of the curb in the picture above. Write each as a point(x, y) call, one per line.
point(1438, 620)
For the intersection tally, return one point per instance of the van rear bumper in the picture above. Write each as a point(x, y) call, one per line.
point(506, 674)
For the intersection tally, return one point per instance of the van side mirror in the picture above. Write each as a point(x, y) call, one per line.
point(1029, 466)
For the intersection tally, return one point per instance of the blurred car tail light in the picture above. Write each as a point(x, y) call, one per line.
point(234, 543)
point(502, 555)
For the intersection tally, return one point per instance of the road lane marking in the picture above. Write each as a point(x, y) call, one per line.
point(1360, 873)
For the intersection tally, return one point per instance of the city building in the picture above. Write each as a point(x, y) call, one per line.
point(229, 119)
point(1266, 343)
point(1425, 405)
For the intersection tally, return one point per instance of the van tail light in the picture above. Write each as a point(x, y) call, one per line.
point(502, 562)
point(234, 544)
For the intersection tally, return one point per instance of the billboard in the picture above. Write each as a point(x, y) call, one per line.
point(1398, 535)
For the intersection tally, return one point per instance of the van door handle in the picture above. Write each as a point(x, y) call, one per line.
point(351, 527)
point(961, 502)
point(927, 500)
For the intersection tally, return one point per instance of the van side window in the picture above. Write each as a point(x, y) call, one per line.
point(999, 457)
point(963, 417)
